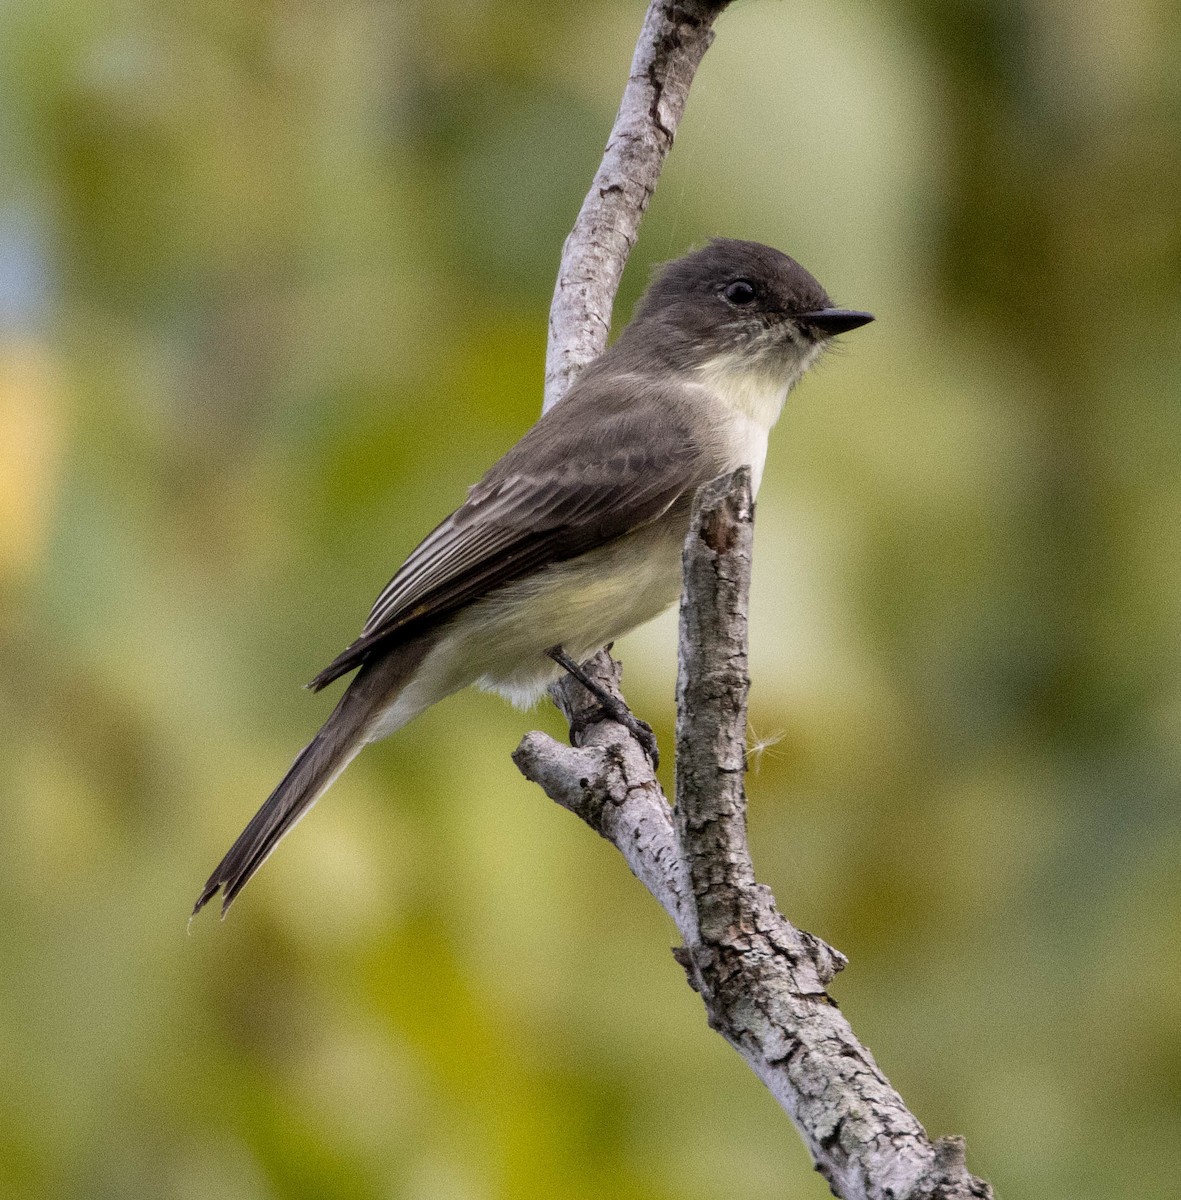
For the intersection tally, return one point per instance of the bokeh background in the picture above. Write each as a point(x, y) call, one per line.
point(273, 289)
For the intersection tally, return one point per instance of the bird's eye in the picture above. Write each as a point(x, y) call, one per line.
point(741, 291)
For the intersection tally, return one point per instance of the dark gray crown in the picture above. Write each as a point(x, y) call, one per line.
point(783, 285)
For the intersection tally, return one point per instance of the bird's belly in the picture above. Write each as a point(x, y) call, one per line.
point(580, 605)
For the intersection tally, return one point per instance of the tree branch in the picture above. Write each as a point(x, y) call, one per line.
point(762, 980)
point(673, 41)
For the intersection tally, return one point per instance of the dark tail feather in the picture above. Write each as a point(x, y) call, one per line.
point(311, 773)
point(326, 755)
point(347, 660)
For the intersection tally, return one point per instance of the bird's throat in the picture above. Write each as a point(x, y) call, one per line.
point(751, 399)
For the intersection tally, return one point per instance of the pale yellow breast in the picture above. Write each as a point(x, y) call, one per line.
point(580, 605)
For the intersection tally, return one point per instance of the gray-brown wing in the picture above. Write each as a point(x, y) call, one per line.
point(557, 494)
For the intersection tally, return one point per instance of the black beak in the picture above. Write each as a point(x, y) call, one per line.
point(831, 321)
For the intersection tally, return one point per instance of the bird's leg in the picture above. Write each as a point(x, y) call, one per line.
point(615, 708)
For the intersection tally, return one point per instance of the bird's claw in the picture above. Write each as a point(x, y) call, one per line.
point(643, 734)
point(638, 728)
point(611, 706)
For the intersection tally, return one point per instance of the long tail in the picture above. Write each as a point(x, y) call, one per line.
point(339, 741)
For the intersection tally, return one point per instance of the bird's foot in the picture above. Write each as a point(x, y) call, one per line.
point(641, 731)
point(612, 706)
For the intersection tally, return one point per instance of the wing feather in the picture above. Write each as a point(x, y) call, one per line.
point(545, 501)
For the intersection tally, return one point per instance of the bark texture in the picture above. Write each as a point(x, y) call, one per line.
point(763, 982)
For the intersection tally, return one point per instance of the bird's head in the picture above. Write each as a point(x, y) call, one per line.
point(741, 301)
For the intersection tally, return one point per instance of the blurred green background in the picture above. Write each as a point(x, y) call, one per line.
point(273, 289)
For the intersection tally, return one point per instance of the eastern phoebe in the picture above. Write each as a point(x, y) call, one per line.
point(574, 537)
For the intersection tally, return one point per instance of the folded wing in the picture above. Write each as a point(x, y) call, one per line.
point(564, 489)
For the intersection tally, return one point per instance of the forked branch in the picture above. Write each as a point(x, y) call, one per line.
point(762, 980)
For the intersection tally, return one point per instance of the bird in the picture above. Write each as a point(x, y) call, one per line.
point(574, 536)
